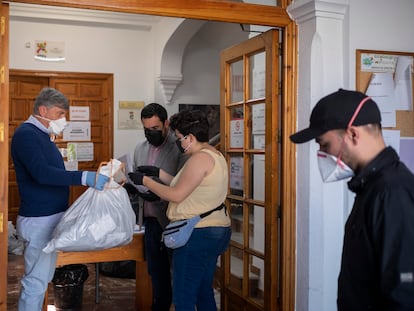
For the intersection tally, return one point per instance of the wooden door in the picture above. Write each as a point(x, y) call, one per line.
point(22, 92)
point(95, 92)
point(250, 110)
point(4, 149)
point(91, 90)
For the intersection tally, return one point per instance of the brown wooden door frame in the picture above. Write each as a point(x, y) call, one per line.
point(224, 11)
point(216, 10)
point(4, 149)
point(245, 203)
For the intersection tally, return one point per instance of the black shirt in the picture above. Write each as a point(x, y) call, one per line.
point(377, 270)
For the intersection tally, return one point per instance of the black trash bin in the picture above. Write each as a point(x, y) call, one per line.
point(68, 286)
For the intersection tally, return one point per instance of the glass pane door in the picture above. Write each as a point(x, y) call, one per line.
point(251, 116)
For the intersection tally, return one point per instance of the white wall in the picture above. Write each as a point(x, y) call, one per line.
point(201, 65)
point(379, 25)
point(127, 53)
point(127, 45)
point(330, 31)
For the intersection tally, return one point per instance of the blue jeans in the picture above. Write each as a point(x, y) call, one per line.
point(158, 261)
point(193, 268)
point(39, 267)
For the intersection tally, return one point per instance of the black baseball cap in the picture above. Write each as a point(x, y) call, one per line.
point(334, 111)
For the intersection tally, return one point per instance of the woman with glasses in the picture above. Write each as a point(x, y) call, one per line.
point(200, 186)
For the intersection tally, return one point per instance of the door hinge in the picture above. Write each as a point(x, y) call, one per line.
point(2, 74)
point(279, 212)
point(2, 25)
point(1, 132)
point(279, 136)
point(1, 222)
point(280, 49)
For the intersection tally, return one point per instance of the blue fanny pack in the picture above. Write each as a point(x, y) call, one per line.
point(177, 233)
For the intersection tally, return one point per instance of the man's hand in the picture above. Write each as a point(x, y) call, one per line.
point(149, 170)
point(136, 177)
point(97, 183)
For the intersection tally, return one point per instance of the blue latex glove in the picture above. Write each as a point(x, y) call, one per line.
point(97, 184)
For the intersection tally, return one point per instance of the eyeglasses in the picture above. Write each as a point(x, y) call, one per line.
point(182, 138)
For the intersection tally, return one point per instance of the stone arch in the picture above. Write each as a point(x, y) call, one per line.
point(170, 65)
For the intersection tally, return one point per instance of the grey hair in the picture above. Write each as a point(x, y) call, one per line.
point(50, 97)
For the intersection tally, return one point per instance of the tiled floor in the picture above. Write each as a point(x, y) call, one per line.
point(115, 293)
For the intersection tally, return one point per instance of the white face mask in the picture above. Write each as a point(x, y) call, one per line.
point(332, 168)
point(56, 126)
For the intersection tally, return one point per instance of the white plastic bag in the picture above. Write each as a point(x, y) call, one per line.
point(97, 219)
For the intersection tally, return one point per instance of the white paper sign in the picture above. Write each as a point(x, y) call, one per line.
point(403, 83)
point(258, 119)
point(79, 113)
point(71, 165)
point(381, 90)
point(77, 131)
point(236, 133)
point(80, 151)
point(236, 173)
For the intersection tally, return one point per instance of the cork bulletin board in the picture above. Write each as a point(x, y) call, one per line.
point(397, 67)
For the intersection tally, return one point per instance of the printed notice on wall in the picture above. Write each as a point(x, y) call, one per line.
point(77, 131)
point(129, 119)
point(236, 133)
point(49, 51)
point(71, 165)
point(381, 90)
point(378, 62)
point(236, 173)
point(258, 119)
point(80, 151)
point(79, 113)
point(391, 81)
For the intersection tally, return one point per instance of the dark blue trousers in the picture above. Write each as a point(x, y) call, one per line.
point(194, 266)
point(158, 261)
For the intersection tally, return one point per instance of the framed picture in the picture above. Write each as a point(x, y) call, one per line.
point(129, 119)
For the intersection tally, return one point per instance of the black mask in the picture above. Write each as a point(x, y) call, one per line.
point(154, 137)
point(178, 143)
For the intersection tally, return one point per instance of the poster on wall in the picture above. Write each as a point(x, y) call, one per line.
point(129, 115)
point(236, 133)
point(129, 119)
point(49, 51)
point(79, 113)
point(80, 151)
point(236, 173)
point(77, 131)
point(390, 84)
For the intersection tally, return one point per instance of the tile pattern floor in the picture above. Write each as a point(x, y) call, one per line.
point(115, 293)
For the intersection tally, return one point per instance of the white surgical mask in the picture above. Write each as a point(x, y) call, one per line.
point(57, 126)
point(332, 168)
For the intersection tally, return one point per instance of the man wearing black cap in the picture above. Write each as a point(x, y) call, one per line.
point(377, 269)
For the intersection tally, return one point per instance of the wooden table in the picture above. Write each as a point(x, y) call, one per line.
point(132, 251)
